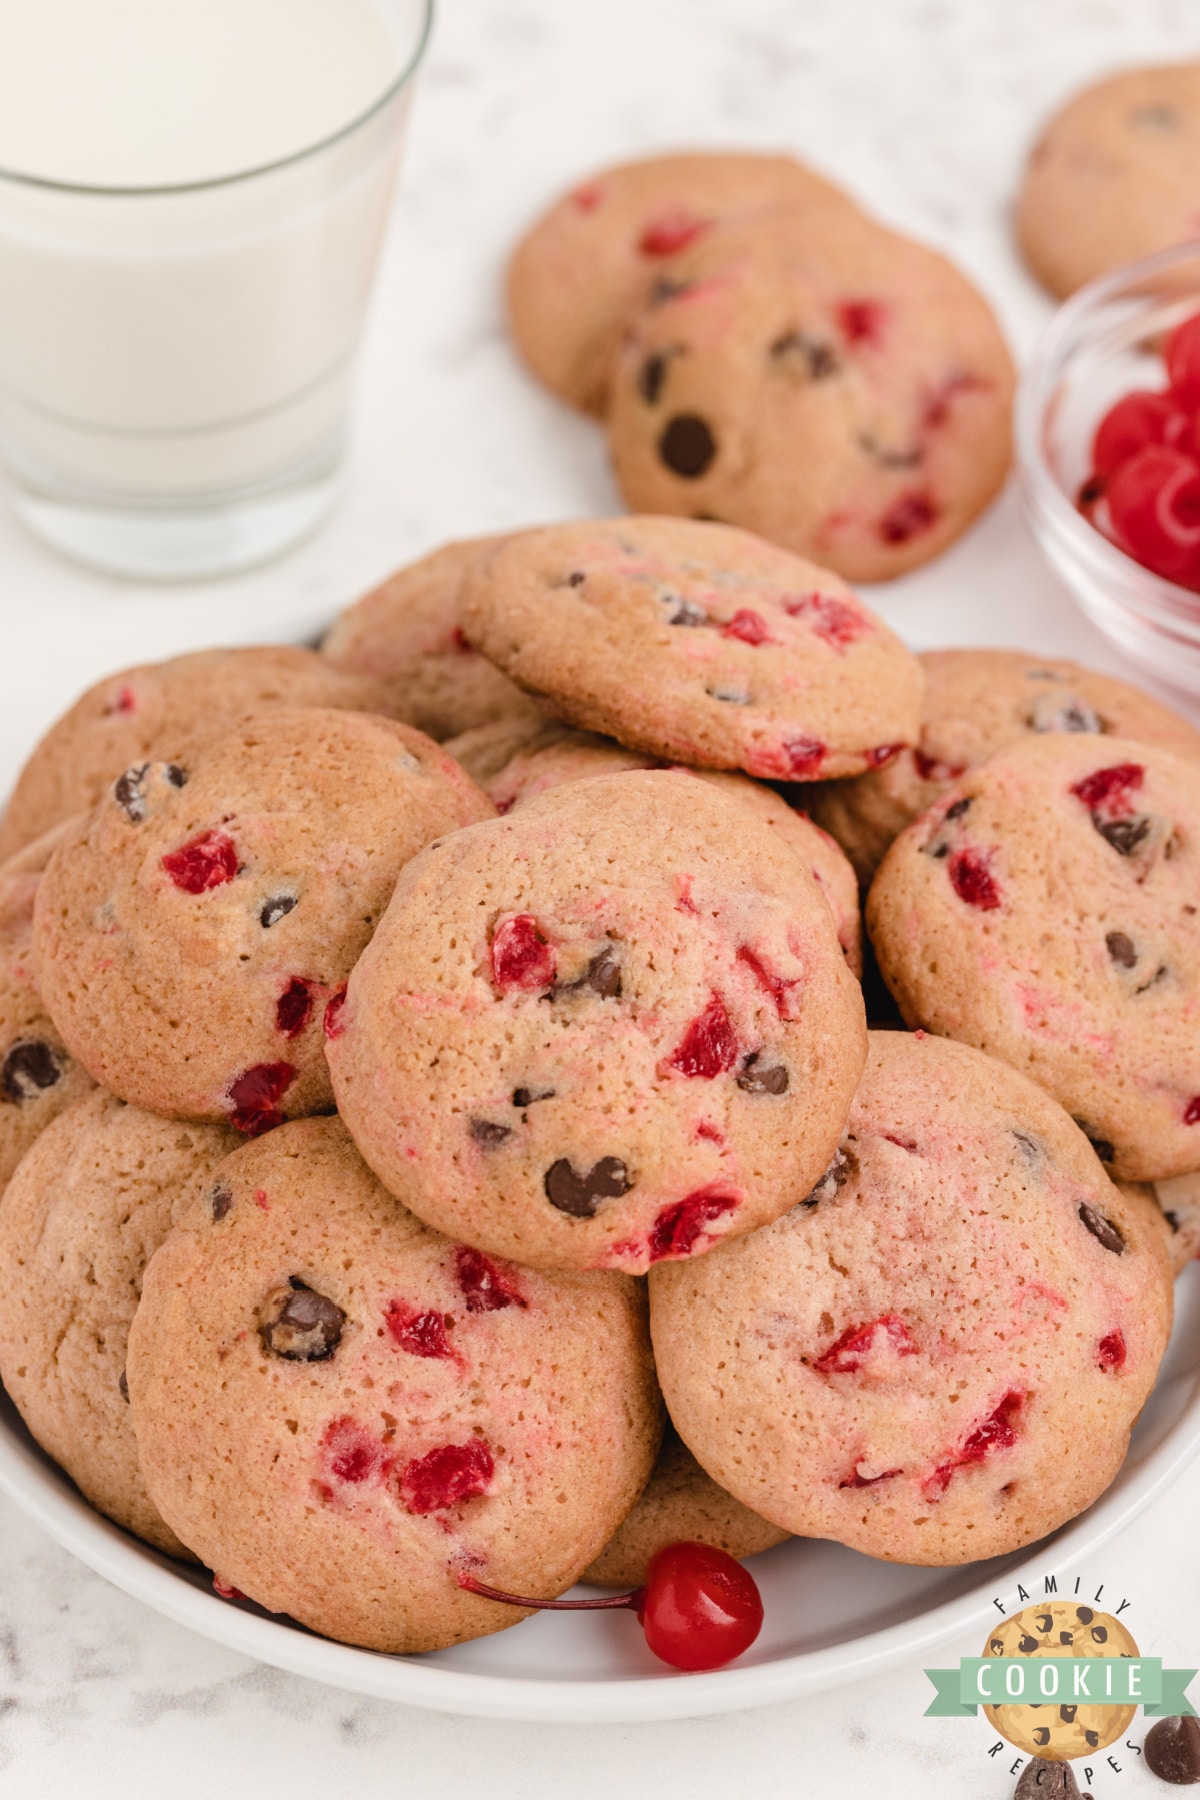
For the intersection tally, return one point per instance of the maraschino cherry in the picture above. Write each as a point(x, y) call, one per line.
point(699, 1608)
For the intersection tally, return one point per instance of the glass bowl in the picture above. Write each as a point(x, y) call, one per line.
point(1104, 342)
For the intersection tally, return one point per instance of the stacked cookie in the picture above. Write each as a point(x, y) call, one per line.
point(581, 985)
point(763, 352)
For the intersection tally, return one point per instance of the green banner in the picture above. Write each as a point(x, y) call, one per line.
point(1059, 1680)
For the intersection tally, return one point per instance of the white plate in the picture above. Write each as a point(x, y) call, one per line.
point(830, 1614)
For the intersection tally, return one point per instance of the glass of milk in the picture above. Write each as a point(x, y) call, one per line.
point(193, 196)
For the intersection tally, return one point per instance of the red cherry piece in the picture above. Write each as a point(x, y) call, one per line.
point(255, 1094)
point(678, 1229)
point(930, 769)
point(855, 1480)
point(996, 1433)
point(481, 1283)
point(587, 199)
point(1154, 509)
point(446, 1477)
point(787, 1001)
point(972, 879)
point(858, 1342)
point(802, 757)
point(351, 1454)
point(1137, 419)
point(862, 321)
point(749, 626)
point(670, 234)
point(937, 404)
point(125, 702)
point(907, 518)
point(699, 1608)
point(883, 754)
point(293, 1009)
point(835, 621)
point(1182, 353)
point(420, 1334)
point(332, 1021)
point(1106, 791)
point(521, 957)
point(708, 1047)
point(205, 862)
point(226, 1589)
point(1111, 1351)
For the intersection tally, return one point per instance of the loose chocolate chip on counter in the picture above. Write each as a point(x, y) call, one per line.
point(1047, 1781)
point(1056, 712)
point(650, 379)
point(686, 612)
point(796, 350)
point(1107, 1235)
point(523, 1096)
point(580, 1195)
point(123, 1385)
point(299, 1324)
point(1125, 835)
point(220, 1199)
point(758, 1077)
point(687, 445)
point(30, 1067)
point(276, 908)
point(128, 792)
point(1172, 1751)
point(488, 1133)
point(1120, 949)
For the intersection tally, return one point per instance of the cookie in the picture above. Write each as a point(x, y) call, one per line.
point(87, 1208)
point(696, 643)
point(940, 1355)
point(681, 1504)
point(1112, 177)
point(341, 1411)
point(976, 702)
point(839, 389)
point(407, 634)
point(1180, 1202)
point(144, 714)
point(39, 1078)
point(606, 1029)
point(1047, 910)
point(596, 256)
point(1056, 1628)
point(190, 932)
point(547, 755)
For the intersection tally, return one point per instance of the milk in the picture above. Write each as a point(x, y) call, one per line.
point(173, 329)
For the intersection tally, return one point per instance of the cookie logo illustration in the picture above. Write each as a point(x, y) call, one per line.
point(1073, 1719)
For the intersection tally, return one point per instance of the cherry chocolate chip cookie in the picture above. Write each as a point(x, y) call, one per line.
point(1047, 910)
point(939, 1355)
point(607, 1029)
point(699, 644)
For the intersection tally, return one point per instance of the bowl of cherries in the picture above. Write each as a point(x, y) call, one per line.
point(1108, 438)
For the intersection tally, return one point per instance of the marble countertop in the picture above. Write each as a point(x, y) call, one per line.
point(923, 108)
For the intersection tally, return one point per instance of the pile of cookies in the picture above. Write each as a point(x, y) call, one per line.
point(399, 1135)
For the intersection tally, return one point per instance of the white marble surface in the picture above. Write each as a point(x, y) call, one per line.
point(923, 107)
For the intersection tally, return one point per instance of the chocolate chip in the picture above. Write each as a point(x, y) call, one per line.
point(177, 777)
point(274, 909)
point(1045, 1622)
point(604, 974)
point(665, 289)
point(1125, 835)
point(30, 1067)
point(220, 1199)
point(1042, 1780)
point(1155, 116)
point(1041, 1735)
point(1067, 1714)
point(650, 380)
point(299, 1324)
point(797, 350)
point(1099, 1633)
point(1158, 975)
point(1092, 1739)
point(1066, 1637)
point(686, 612)
point(488, 1133)
point(523, 1096)
point(1101, 1145)
point(128, 793)
point(1027, 1645)
point(1084, 1614)
point(123, 1384)
point(580, 1195)
point(959, 808)
point(576, 578)
point(733, 696)
point(843, 1166)
point(1172, 1220)
point(762, 1078)
point(1054, 712)
point(1107, 1235)
point(1172, 1751)
point(1121, 949)
point(686, 445)
point(1030, 1148)
point(887, 458)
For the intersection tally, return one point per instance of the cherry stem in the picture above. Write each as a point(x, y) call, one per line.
point(631, 1601)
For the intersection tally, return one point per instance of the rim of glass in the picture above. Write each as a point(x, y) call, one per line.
point(155, 191)
point(1036, 397)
